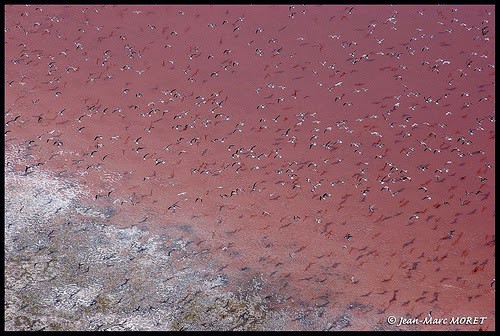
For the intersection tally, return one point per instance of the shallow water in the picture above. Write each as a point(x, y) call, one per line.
point(343, 154)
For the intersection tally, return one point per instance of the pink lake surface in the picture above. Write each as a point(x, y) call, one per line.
point(344, 154)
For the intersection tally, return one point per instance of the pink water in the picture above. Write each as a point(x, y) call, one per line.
point(262, 126)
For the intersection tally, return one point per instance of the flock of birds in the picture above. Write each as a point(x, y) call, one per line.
point(342, 152)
